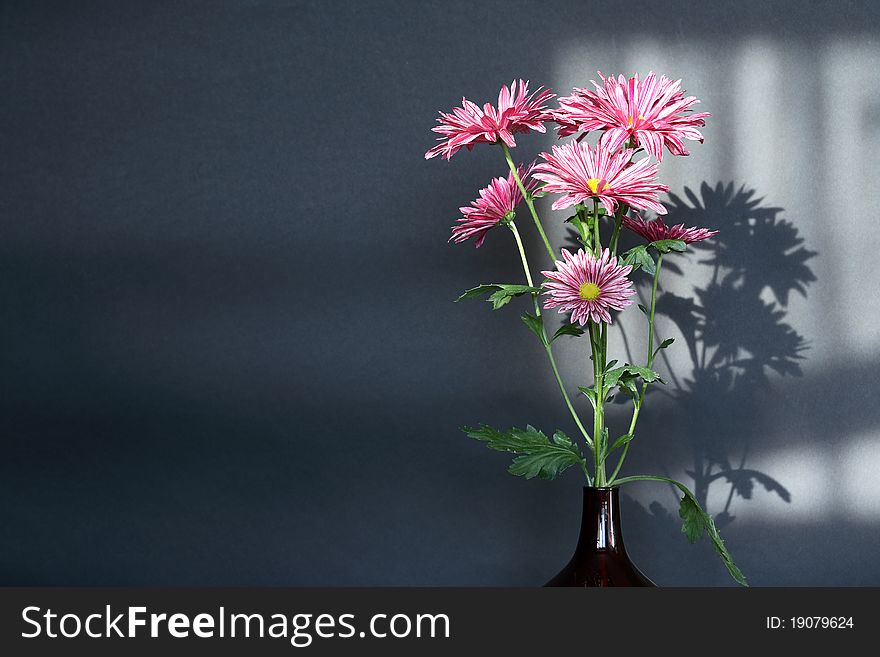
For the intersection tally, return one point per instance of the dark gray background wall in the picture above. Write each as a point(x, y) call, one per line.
point(228, 352)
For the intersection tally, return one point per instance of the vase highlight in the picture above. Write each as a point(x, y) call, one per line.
point(600, 558)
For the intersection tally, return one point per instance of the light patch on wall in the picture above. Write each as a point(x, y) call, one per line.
point(850, 161)
point(804, 475)
point(857, 476)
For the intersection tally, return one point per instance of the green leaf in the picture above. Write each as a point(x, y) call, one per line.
point(696, 522)
point(626, 374)
point(585, 237)
point(536, 326)
point(644, 310)
point(499, 299)
point(501, 295)
point(620, 442)
point(568, 329)
point(638, 256)
point(538, 456)
point(628, 386)
point(663, 345)
point(693, 522)
point(647, 375)
point(478, 291)
point(539, 194)
point(590, 394)
point(665, 246)
point(611, 377)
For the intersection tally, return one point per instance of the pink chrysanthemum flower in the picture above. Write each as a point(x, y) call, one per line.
point(517, 111)
point(588, 286)
point(658, 230)
point(652, 114)
point(580, 173)
point(497, 203)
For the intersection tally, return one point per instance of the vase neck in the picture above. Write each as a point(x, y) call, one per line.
point(600, 522)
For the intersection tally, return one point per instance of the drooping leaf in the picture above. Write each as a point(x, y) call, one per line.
point(568, 329)
point(538, 456)
point(693, 522)
point(665, 246)
point(535, 324)
point(696, 522)
point(501, 293)
point(644, 310)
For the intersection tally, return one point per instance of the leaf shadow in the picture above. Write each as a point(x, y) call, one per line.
point(737, 333)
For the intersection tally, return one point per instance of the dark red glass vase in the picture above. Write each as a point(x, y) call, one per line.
point(600, 558)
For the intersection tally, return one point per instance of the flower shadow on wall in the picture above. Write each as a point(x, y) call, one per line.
point(737, 338)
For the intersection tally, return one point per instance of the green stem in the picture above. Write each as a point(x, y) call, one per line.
point(528, 199)
point(650, 359)
point(598, 345)
point(546, 340)
point(618, 220)
point(599, 408)
point(525, 263)
point(637, 404)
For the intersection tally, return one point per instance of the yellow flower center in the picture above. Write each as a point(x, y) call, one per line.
point(589, 291)
point(629, 120)
point(593, 184)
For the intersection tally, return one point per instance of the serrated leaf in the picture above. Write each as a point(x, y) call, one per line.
point(568, 329)
point(500, 299)
point(692, 522)
point(612, 376)
point(638, 257)
point(501, 293)
point(647, 375)
point(696, 522)
point(539, 456)
point(535, 324)
point(665, 246)
point(626, 374)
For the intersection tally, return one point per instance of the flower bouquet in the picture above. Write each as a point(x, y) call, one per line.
point(604, 185)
